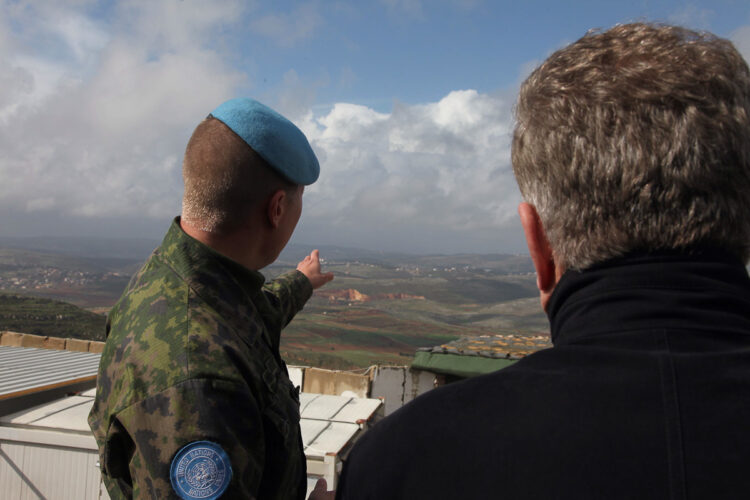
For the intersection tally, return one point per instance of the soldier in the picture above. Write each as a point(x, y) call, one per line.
point(193, 398)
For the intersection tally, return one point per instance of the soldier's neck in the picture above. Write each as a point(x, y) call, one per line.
point(243, 246)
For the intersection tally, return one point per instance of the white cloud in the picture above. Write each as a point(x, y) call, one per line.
point(40, 204)
point(94, 116)
point(440, 168)
point(93, 125)
point(176, 25)
point(83, 36)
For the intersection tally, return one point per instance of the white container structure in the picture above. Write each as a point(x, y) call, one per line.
point(330, 426)
point(48, 451)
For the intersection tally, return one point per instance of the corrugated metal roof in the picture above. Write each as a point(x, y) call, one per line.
point(24, 370)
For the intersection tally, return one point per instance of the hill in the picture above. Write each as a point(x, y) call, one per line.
point(380, 307)
point(376, 310)
point(40, 316)
point(88, 282)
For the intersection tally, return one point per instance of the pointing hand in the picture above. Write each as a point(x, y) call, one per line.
point(310, 267)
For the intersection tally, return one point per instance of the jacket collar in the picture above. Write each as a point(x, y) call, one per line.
point(230, 288)
point(695, 289)
point(188, 255)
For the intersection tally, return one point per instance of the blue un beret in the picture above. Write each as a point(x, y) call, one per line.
point(273, 137)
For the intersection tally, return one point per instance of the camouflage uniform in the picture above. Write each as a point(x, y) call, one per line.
point(193, 354)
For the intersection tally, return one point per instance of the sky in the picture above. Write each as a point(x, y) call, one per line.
point(407, 104)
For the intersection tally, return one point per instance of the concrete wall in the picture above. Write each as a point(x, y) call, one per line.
point(15, 339)
point(337, 383)
point(397, 385)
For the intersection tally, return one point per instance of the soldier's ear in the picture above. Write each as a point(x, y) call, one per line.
point(276, 207)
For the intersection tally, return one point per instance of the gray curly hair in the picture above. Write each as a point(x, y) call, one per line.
point(637, 138)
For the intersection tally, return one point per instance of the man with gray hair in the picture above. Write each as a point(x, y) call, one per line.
point(632, 152)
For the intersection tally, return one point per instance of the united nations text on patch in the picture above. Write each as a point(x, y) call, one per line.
point(200, 470)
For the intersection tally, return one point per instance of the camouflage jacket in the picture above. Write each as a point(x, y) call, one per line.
point(192, 354)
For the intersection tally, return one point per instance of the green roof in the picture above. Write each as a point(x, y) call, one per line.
point(471, 356)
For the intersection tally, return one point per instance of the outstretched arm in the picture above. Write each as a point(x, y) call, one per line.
point(310, 267)
point(288, 293)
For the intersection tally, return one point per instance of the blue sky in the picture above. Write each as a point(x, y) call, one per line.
point(408, 104)
point(416, 51)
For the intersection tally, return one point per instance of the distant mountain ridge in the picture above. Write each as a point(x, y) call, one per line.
point(112, 253)
point(119, 252)
point(510, 263)
point(96, 248)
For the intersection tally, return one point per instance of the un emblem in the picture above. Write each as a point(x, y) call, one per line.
point(200, 469)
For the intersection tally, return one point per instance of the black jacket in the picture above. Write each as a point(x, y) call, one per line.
point(645, 394)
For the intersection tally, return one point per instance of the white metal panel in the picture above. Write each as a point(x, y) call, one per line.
point(31, 471)
point(321, 406)
point(305, 398)
point(311, 429)
point(11, 463)
point(72, 418)
point(397, 385)
point(332, 439)
point(48, 438)
point(337, 408)
point(62, 472)
point(356, 410)
point(25, 368)
point(59, 429)
point(38, 414)
point(418, 382)
point(389, 383)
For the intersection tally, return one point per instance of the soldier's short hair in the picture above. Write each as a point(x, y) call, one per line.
point(224, 179)
point(637, 138)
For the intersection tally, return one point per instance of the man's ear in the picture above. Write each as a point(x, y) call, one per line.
point(539, 249)
point(276, 207)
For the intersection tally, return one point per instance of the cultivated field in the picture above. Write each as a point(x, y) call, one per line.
point(379, 309)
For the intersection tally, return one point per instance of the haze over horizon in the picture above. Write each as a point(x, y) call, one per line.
point(407, 103)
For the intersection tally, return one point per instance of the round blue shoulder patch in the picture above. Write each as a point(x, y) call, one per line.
point(200, 469)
